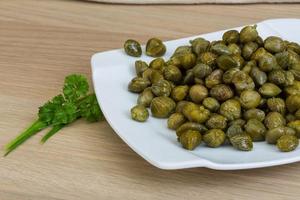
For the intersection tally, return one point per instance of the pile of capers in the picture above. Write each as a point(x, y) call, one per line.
point(237, 90)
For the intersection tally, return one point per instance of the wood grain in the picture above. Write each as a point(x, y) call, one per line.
point(43, 41)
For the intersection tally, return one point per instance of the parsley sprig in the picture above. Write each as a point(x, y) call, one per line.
point(61, 110)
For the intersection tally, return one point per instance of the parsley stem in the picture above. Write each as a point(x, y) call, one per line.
point(54, 130)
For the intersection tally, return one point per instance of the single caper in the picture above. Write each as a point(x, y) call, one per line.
point(199, 45)
point(293, 102)
point(180, 92)
point(274, 44)
point(296, 126)
point(250, 99)
point(220, 49)
point(155, 76)
point(254, 113)
point(172, 73)
point(234, 49)
point(287, 143)
point(248, 66)
point(258, 76)
point(276, 105)
point(282, 59)
point(294, 47)
point(248, 49)
point(293, 89)
point(274, 134)
point(190, 126)
point(260, 52)
point(242, 81)
point(234, 130)
point(132, 48)
point(161, 88)
point(197, 93)
point(180, 105)
point(221, 92)
point(145, 97)
point(202, 70)
point(187, 60)
point(226, 62)
point(214, 78)
point(175, 120)
point(157, 64)
point(267, 62)
point(255, 129)
point(182, 50)
point(228, 75)
point(139, 113)
point(269, 90)
point(189, 77)
point(239, 122)
point(274, 119)
point(188, 107)
point(211, 104)
point(190, 139)
point(231, 36)
point(231, 109)
point(162, 107)
point(138, 84)
point(208, 58)
point(217, 121)
point(140, 67)
point(239, 60)
point(214, 138)
point(242, 142)
point(155, 47)
point(248, 34)
point(199, 115)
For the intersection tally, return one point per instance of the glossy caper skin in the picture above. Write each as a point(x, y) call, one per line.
point(221, 92)
point(248, 49)
point(188, 108)
point(220, 49)
point(190, 126)
point(214, 138)
point(155, 48)
point(240, 61)
point(180, 92)
point(234, 49)
point(281, 77)
point(211, 104)
point(242, 142)
point(228, 75)
point(267, 62)
point(175, 120)
point(161, 88)
point(287, 143)
point(231, 36)
point(187, 60)
point(259, 77)
point(199, 115)
point(234, 130)
point(162, 107)
point(274, 44)
point(155, 76)
point(138, 84)
point(157, 64)
point(202, 70)
point(214, 78)
point(260, 52)
point(139, 113)
point(255, 129)
point(296, 126)
point(145, 97)
point(274, 119)
point(242, 81)
point(276, 105)
point(172, 73)
point(182, 50)
point(272, 135)
point(293, 102)
point(248, 34)
point(140, 67)
point(293, 89)
point(254, 113)
point(269, 90)
point(216, 121)
point(197, 93)
point(250, 99)
point(132, 48)
point(231, 109)
point(199, 45)
point(226, 62)
point(190, 139)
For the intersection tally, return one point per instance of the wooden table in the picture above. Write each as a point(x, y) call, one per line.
point(43, 41)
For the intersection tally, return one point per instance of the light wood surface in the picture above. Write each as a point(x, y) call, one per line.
point(43, 41)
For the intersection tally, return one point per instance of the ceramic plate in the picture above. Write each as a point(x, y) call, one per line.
point(112, 70)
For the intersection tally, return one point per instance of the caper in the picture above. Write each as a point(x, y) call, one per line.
point(216, 121)
point(155, 76)
point(175, 120)
point(157, 64)
point(254, 113)
point(274, 44)
point(202, 70)
point(296, 126)
point(199, 45)
point(248, 49)
point(231, 36)
point(234, 49)
point(174, 60)
point(293, 102)
point(269, 90)
point(211, 104)
point(281, 77)
point(208, 58)
point(274, 134)
point(190, 139)
point(147, 74)
point(187, 60)
point(197, 93)
point(276, 105)
point(258, 76)
point(139, 113)
point(140, 67)
point(259, 41)
point(274, 119)
point(267, 62)
point(182, 50)
point(189, 77)
point(145, 97)
point(190, 126)
point(248, 34)
point(290, 117)
point(161, 88)
point(242, 142)
point(214, 78)
point(287, 143)
point(221, 92)
point(282, 59)
point(162, 107)
point(242, 81)
point(234, 130)
point(226, 62)
point(228, 75)
point(188, 108)
point(180, 105)
point(297, 114)
point(255, 129)
point(172, 73)
point(155, 47)
point(239, 122)
point(199, 115)
point(294, 47)
point(239, 60)
point(138, 84)
point(248, 66)
point(260, 52)
point(214, 138)
point(180, 92)
point(231, 109)
point(133, 48)
point(220, 49)
point(249, 99)
point(293, 89)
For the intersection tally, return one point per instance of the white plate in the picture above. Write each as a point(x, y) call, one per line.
point(112, 70)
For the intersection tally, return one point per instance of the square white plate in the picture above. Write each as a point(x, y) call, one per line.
point(112, 71)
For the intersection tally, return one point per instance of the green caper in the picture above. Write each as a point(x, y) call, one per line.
point(157, 64)
point(221, 92)
point(202, 70)
point(145, 97)
point(214, 138)
point(231, 109)
point(239, 60)
point(248, 66)
point(190, 126)
point(187, 60)
point(293, 102)
point(140, 67)
point(254, 113)
point(250, 99)
point(282, 59)
point(133, 48)
point(234, 49)
point(274, 119)
point(248, 49)
point(155, 76)
point(190, 139)
point(276, 105)
point(296, 126)
point(248, 34)
point(274, 44)
point(228, 75)
point(220, 49)
point(199, 45)
point(267, 62)
point(258, 76)
point(161, 88)
point(174, 60)
point(242, 81)
point(297, 114)
point(147, 74)
point(199, 115)
point(208, 58)
point(287, 143)
point(188, 107)
point(155, 47)
point(138, 84)
point(294, 47)
point(175, 120)
point(290, 117)
point(274, 134)
point(239, 122)
point(197, 93)
point(293, 89)
point(269, 90)
point(216, 121)
point(139, 113)
point(180, 105)
point(162, 107)
point(281, 77)
point(259, 41)
point(180, 92)
point(189, 77)
point(260, 52)
point(242, 142)
point(182, 50)
point(234, 130)
point(172, 73)
point(231, 36)
point(211, 104)
point(214, 78)
point(255, 129)
point(295, 70)
point(226, 62)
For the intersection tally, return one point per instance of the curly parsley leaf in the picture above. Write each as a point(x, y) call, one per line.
point(75, 87)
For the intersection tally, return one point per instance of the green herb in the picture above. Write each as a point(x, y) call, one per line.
point(62, 110)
